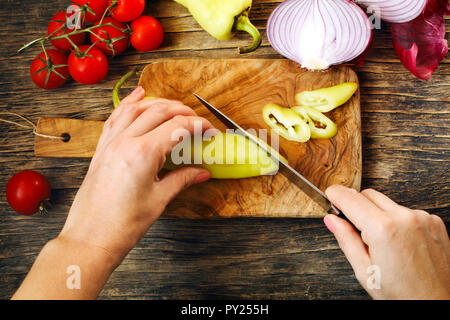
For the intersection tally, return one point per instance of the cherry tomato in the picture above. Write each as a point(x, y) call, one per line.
point(147, 33)
point(89, 68)
point(109, 39)
point(127, 10)
point(97, 7)
point(28, 192)
point(57, 27)
point(55, 64)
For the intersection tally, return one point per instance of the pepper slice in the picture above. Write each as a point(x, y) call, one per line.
point(286, 122)
point(327, 99)
point(222, 19)
point(320, 125)
point(225, 156)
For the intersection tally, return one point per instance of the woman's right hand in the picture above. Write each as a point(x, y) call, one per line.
point(400, 253)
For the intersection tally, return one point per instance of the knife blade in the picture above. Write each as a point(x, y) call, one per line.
point(285, 169)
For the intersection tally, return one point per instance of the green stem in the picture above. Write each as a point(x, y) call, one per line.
point(67, 35)
point(45, 51)
point(115, 93)
point(75, 47)
point(44, 206)
point(108, 9)
point(243, 23)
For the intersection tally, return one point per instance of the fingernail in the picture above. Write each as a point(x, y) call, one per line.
point(137, 90)
point(329, 224)
point(202, 177)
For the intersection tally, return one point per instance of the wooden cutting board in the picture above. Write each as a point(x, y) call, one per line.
point(240, 88)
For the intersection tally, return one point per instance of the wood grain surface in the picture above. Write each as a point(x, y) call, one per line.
point(240, 88)
point(406, 154)
point(79, 137)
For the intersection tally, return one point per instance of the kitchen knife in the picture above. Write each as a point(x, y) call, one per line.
point(284, 168)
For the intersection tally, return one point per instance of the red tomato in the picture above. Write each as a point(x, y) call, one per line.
point(127, 10)
point(110, 40)
point(147, 35)
point(27, 192)
point(97, 7)
point(56, 65)
point(59, 22)
point(91, 67)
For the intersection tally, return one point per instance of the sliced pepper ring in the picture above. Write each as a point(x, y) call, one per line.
point(327, 99)
point(320, 125)
point(286, 123)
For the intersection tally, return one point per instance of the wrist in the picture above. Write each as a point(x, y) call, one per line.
point(100, 235)
point(85, 250)
point(67, 269)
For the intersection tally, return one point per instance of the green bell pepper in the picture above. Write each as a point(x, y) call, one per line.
point(286, 122)
point(327, 99)
point(321, 126)
point(222, 18)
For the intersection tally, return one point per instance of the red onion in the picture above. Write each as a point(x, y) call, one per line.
point(319, 33)
point(397, 11)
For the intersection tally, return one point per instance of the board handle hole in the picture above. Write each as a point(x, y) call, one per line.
point(65, 137)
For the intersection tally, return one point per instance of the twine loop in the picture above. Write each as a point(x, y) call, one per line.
point(30, 125)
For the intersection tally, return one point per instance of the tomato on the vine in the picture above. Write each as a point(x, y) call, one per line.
point(147, 33)
point(90, 67)
point(127, 10)
point(49, 71)
point(97, 8)
point(57, 27)
point(28, 192)
point(109, 39)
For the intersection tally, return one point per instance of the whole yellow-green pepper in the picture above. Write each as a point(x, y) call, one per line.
point(327, 99)
point(222, 18)
point(225, 156)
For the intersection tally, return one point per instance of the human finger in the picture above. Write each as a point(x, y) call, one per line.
point(156, 114)
point(357, 208)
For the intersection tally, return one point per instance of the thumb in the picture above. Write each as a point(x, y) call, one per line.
point(351, 244)
point(176, 181)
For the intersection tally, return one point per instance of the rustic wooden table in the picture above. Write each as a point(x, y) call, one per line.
point(406, 154)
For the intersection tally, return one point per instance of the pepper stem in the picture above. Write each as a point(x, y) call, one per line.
point(115, 93)
point(243, 23)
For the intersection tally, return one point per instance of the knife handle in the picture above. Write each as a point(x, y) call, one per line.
point(340, 214)
point(334, 210)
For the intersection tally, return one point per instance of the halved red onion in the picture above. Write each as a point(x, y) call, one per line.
point(319, 33)
point(397, 11)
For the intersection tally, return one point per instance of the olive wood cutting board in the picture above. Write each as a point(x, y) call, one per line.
point(240, 88)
